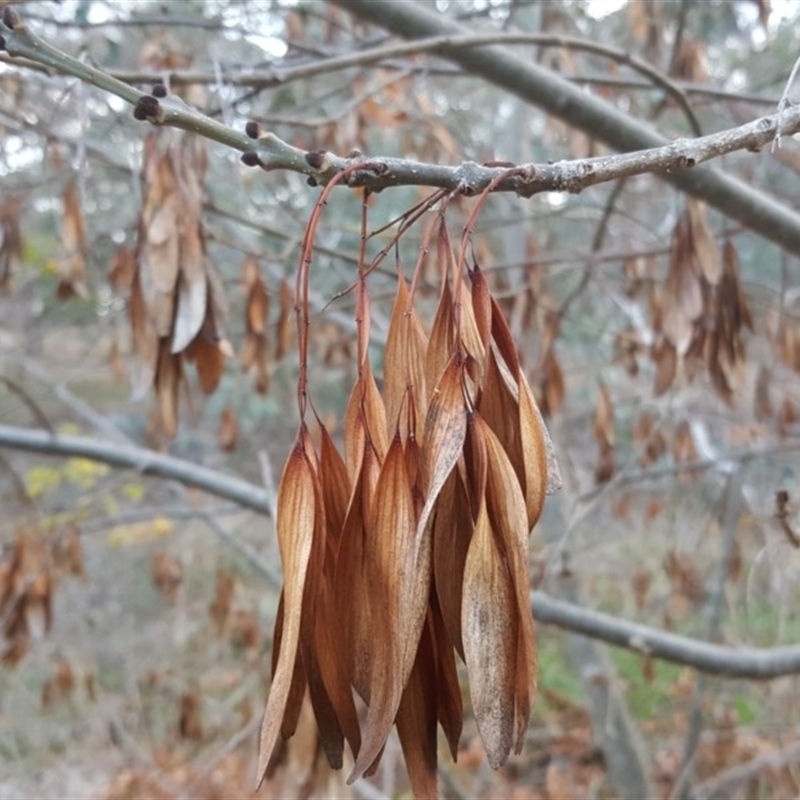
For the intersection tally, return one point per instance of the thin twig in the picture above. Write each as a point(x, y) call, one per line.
point(721, 784)
point(784, 102)
point(34, 408)
point(276, 76)
point(241, 78)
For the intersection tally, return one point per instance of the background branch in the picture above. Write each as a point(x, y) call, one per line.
point(706, 657)
point(590, 114)
point(143, 461)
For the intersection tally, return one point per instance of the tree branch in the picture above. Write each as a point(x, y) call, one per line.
point(280, 77)
point(742, 662)
point(712, 658)
point(277, 76)
point(599, 119)
point(144, 461)
point(265, 149)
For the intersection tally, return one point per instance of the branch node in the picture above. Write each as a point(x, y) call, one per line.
point(574, 179)
point(527, 176)
point(466, 189)
point(11, 19)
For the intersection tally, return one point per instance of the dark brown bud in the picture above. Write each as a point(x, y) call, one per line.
point(315, 158)
point(252, 129)
point(159, 90)
point(148, 107)
point(251, 159)
point(11, 18)
point(312, 181)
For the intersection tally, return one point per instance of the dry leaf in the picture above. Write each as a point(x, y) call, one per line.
point(208, 357)
point(404, 363)
point(398, 568)
point(666, 360)
point(704, 246)
point(223, 595)
point(684, 449)
point(122, 271)
point(228, 434)
point(296, 511)
point(416, 719)
point(10, 242)
point(603, 427)
point(167, 573)
point(189, 724)
point(72, 260)
point(490, 641)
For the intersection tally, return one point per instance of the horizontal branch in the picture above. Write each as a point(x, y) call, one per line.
point(741, 662)
point(716, 659)
point(144, 461)
point(270, 152)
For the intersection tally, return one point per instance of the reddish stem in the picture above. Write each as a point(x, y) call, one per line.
point(301, 304)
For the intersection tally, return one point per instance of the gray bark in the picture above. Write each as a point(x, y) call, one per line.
point(754, 209)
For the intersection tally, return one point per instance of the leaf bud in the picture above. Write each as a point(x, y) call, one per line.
point(252, 129)
point(11, 19)
point(316, 158)
point(159, 90)
point(148, 107)
point(251, 159)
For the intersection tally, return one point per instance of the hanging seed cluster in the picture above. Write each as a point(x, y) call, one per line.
point(177, 306)
point(409, 551)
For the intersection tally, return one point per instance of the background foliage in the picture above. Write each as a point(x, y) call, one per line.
point(156, 655)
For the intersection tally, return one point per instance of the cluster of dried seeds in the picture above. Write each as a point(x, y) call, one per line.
point(412, 547)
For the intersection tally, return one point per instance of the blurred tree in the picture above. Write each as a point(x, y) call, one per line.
point(653, 302)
